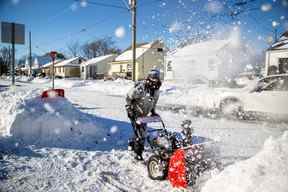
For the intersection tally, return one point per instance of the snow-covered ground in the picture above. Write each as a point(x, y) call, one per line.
point(79, 143)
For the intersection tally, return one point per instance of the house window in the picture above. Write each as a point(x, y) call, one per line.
point(82, 69)
point(160, 49)
point(283, 65)
point(169, 66)
point(121, 68)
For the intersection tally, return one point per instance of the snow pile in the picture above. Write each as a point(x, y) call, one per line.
point(267, 171)
point(9, 101)
point(55, 122)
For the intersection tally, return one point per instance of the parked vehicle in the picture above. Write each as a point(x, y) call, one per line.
point(268, 97)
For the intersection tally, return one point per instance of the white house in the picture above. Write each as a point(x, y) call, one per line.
point(212, 60)
point(276, 61)
point(97, 67)
point(35, 67)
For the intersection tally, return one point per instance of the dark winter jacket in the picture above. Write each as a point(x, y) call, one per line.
point(141, 99)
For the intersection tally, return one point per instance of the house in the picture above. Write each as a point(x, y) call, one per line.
point(25, 70)
point(207, 62)
point(47, 68)
point(276, 59)
point(148, 56)
point(97, 67)
point(68, 68)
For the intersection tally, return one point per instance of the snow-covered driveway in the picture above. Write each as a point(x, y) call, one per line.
point(35, 168)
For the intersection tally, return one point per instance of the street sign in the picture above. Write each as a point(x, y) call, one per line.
point(53, 55)
point(7, 33)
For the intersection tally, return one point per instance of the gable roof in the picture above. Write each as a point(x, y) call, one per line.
point(97, 59)
point(201, 48)
point(50, 63)
point(68, 63)
point(282, 42)
point(127, 55)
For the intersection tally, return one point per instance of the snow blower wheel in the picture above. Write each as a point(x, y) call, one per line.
point(157, 168)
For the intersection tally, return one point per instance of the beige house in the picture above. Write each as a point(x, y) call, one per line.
point(68, 68)
point(148, 56)
point(96, 68)
point(47, 68)
point(276, 61)
point(64, 68)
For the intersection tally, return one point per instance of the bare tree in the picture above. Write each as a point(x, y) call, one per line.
point(99, 47)
point(5, 55)
point(74, 48)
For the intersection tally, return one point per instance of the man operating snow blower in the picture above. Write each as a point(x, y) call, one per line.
point(141, 102)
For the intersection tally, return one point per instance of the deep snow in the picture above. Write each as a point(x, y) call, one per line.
point(54, 148)
point(267, 171)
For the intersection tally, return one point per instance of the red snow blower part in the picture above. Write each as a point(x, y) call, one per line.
point(177, 169)
point(174, 157)
point(53, 93)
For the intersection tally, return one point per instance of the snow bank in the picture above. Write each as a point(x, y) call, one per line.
point(9, 101)
point(55, 122)
point(267, 171)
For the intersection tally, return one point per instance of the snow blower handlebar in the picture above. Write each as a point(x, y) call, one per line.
point(151, 119)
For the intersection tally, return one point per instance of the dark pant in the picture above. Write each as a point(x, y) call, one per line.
point(138, 140)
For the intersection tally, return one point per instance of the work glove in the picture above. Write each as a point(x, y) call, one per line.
point(130, 111)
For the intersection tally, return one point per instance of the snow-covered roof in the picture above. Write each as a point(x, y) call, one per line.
point(282, 42)
point(127, 55)
point(97, 59)
point(199, 48)
point(68, 63)
point(27, 68)
point(50, 63)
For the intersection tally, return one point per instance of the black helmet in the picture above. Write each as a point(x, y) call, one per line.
point(153, 79)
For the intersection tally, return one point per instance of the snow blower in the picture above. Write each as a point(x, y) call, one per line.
point(175, 156)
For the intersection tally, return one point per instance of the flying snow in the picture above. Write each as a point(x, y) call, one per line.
point(266, 7)
point(74, 6)
point(275, 23)
point(120, 32)
point(113, 129)
point(175, 27)
point(83, 3)
point(48, 108)
point(214, 7)
point(15, 1)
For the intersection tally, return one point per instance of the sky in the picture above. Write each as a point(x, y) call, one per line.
point(56, 23)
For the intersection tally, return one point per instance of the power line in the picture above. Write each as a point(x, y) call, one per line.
point(105, 5)
point(126, 4)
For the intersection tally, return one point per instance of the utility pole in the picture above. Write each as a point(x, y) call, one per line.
point(275, 34)
point(30, 55)
point(133, 4)
point(13, 53)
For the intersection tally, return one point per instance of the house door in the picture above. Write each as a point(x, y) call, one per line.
point(93, 71)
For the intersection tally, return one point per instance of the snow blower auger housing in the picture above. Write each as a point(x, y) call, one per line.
point(174, 157)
